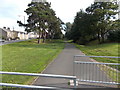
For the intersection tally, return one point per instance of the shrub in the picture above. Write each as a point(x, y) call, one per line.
point(114, 36)
point(3, 38)
point(16, 38)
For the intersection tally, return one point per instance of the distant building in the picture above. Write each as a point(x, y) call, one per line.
point(22, 35)
point(26, 36)
point(32, 35)
point(3, 34)
point(7, 34)
point(14, 35)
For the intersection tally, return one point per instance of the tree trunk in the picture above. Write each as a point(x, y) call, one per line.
point(43, 40)
point(43, 36)
point(99, 38)
point(39, 38)
point(102, 36)
point(49, 37)
point(103, 39)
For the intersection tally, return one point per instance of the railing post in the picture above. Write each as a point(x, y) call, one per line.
point(73, 66)
point(75, 85)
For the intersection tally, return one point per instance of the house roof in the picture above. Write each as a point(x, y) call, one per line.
point(6, 30)
point(2, 30)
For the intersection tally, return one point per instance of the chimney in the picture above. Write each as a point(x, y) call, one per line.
point(4, 27)
point(8, 28)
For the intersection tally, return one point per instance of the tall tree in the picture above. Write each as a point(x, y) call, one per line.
point(95, 22)
point(82, 28)
point(40, 19)
point(103, 12)
point(68, 27)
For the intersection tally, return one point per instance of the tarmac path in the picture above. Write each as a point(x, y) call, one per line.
point(11, 41)
point(62, 65)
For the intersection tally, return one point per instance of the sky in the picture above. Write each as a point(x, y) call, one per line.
point(13, 10)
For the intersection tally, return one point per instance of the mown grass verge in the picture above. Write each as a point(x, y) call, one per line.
point(107, 49)
point(112, 73)
point(29, 57)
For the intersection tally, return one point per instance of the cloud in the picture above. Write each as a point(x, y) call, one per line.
point(65, 10)
point(9, 11)
point(13, 7)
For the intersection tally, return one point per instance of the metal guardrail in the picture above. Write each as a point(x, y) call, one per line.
point(79, 62)
point(96, 56)
point(34, 74)
point(95, 72)
point(26, 86)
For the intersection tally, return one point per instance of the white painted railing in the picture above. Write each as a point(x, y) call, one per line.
point(34, 74)
point(96, 72)
point(26, 86)
point(96, 56)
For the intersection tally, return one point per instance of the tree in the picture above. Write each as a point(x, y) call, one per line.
point(40, 19)
point(55, 28)
point(103, 12)
point(96, 22)
point(114, 34)
point(68, 27)
point(82, 28)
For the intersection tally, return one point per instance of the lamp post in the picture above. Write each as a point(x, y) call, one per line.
point(23, 35)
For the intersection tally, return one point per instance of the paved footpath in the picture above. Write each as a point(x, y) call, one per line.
point(62, 65)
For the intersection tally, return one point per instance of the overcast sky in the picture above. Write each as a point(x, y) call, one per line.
point(65, 10)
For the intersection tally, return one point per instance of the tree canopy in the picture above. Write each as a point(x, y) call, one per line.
point(42, 19)
point(94, 23)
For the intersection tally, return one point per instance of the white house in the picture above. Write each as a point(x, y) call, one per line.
point(13, 35)
point(3, 34)
point(9, 33)
point(32, 35)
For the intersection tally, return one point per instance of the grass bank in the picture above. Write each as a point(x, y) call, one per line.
point(28, 56)
point(107, 49)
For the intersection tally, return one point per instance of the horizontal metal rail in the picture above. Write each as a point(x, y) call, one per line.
point(79, 62)
point(26, 86)
point(95, 72)
point(42, 75)
point(101, 82)
point(96, 56)
point(105, 73)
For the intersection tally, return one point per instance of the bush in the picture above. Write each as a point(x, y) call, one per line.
point(3, 38)
point(114, 36)
point(16, 38)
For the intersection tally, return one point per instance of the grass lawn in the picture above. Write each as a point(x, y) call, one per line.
point(107, 49)
point(28, 56)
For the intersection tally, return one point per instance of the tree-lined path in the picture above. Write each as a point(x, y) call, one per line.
point(62, 65)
